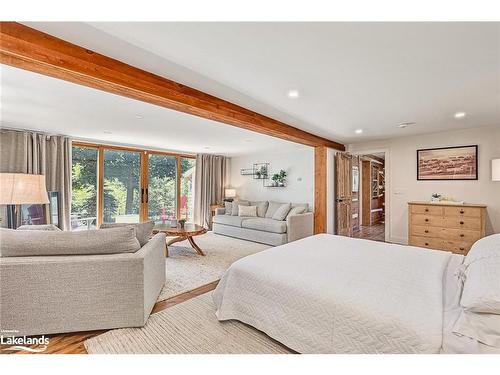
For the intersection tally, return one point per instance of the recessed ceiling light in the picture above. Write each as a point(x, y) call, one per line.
point(107, 132)
point(358, 131)
point(294, 94)
point(405, 124)
point(206, 148)
point(139, 117)
point(459, 115)
point(248, 140)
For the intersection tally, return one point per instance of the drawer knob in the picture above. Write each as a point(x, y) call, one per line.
point(462, 235)
point(426, 210)
point(426, 231)
point(462, 223)
point(462, 249)
point(462, 211)
point(426, 219)
point(426, 244)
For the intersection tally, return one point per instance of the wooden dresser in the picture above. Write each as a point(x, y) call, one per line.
point(450, 227)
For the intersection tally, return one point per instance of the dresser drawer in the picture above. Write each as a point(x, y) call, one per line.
point(428, 210)
point(462, 211)
point(462, 223)
point(427, 220)
point(430, 243)
point(461, 235)
point(457, 247)
point(426, 231)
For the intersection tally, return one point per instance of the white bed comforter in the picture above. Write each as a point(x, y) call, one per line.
point(332, 294)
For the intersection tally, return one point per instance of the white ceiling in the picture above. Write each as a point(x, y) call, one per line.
point(369, 76)
point(36, 102)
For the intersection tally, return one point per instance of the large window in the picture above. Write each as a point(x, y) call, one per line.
point(162, 188)
point(84, 182)
point(121, 185)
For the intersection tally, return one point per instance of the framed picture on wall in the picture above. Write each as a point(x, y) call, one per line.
point(447, 163)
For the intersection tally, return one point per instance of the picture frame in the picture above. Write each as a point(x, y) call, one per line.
point(457, 163)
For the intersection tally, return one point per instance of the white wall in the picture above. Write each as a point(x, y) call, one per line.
point(401, 170)
point(299, 165)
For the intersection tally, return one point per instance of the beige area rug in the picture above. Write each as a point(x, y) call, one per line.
point(187, 328)
point(186, 270)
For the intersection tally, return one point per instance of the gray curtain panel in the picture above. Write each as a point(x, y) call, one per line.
point(38, 153)
point(210, 181)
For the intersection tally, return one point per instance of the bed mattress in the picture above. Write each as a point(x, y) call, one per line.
point(332, 294)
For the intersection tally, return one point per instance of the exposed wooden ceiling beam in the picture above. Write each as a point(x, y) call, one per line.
point(30, 49)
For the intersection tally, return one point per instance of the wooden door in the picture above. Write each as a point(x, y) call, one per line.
point(343, 193)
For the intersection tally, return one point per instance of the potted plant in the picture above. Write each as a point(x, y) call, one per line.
point(279, 178)
point(436, 197)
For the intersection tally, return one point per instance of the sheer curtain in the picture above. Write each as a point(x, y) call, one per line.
point(39, 153)
point(210, 180)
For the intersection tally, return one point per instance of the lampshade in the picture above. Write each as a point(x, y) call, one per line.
point(21, 188)
point(495, 170)
point(230, 193)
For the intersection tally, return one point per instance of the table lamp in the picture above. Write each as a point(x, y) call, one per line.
point(229, 195)
point(21, 188)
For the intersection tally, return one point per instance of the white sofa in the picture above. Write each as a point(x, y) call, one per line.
point(264, 228)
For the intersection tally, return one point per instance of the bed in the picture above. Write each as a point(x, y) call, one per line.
point(333, 294)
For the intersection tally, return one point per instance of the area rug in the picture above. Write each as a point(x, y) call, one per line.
point(187, 328)
point(186, 270)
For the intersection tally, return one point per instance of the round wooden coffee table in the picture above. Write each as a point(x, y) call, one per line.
point(181, 234)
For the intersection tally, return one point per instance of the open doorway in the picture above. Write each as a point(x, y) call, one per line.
point(368, 196)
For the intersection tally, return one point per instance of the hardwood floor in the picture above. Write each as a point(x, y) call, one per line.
point(72, 343)
point(374, 232)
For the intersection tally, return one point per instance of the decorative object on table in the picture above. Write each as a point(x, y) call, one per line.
point(279, 178)
point(229, 195)
point(448, 163)
point(21, 188)
point(495, 170)
point(182, 222)
point(436, 197)
point(173, 223)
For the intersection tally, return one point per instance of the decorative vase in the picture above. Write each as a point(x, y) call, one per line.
point(182, 223)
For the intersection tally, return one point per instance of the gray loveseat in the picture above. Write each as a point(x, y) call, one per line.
point(55, 282)
point(273, 225)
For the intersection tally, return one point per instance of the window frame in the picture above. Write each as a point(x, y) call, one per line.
point(144, 171)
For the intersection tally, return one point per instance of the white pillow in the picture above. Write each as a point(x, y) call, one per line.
point(484, 328)
point(236, 205)
point(281, 212)
point(247, 211)
point(481, 292)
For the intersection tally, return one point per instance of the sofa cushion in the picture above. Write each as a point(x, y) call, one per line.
point(19, 243)
point(234, 221)
point(235, 206)
point(261, 207)
point(265, 225)
point(39, 227)
point(271, 209)
point(143, 231)
point(248, 211)
point(282, 211)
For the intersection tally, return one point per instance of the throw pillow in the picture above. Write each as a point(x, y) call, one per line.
point(282, 211)
point(247, 211)
point(143, 231)
point(20, 243)
point(297, 210)
point(261, 207)
point(236, 204)
point(271, 209)
point(229, 207)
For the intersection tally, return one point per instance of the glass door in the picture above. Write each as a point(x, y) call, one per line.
point(162, 188)
point(122, 188)
point(188, 169)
